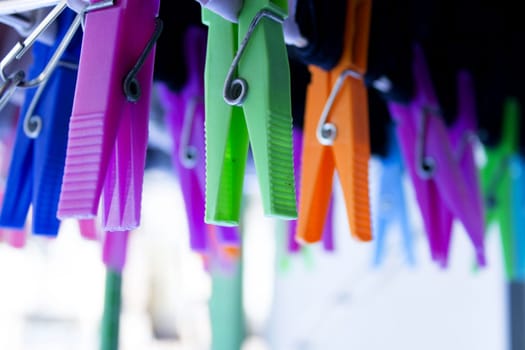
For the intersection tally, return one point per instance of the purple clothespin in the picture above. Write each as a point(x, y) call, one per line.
point(185, 119)
point(443, 191)
point(328, 234)
point(108, 129)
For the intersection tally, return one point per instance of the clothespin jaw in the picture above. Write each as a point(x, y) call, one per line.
point(391, 205)
point(255, 107)
point(110, 113)
point(328, 235)
point(497, 186)
point(341, 139)
point(36, 170)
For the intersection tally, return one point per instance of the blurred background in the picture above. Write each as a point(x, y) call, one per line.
point(52, 291)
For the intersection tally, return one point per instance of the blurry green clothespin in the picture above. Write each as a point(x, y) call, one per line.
point(497, 185)
point(247, 97)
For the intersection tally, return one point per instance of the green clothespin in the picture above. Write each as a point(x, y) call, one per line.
point(247, 96)
point(496, 182)
point(112, 304)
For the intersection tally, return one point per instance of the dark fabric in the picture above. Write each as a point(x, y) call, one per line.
point(322, 23)
point(169, 59)
point(299, 78)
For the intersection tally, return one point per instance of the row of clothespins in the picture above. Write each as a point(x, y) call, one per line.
point(82, 133)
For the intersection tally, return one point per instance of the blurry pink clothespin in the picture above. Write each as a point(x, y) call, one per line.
point(109, 124)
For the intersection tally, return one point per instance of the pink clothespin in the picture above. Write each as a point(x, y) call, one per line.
point(108, 129)
point(185, 119)
point(114, 249)
point(444, 189)
point(328, 234)
point(15, 238)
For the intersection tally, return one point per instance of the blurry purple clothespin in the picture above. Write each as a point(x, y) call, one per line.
point(185, 120)
point(443, 190)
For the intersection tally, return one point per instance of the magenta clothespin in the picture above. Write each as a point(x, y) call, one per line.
point(89, 229)
point(185, 119)
point(108, 129)
point(328, 235)
point(442, 190)
point(114, 249)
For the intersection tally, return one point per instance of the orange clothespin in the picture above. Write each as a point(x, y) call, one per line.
point(336, 134)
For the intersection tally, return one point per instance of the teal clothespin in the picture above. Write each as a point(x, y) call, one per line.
point(226, 309)
point(111, 317)
point(517, 174)
point(247, 96)
point(114, 257)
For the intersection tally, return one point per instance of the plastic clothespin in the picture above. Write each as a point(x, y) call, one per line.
point(37, 164)
point(496, 182)
point(336, 135)
point(248, 95)
point(108, 130)
point(328, 235)
point(391, 203)
point(15, 238)
point(114, 249)
point(442, 188)
point(114, 257)
point(517, 170)
point(463, 137)
point(185, 119)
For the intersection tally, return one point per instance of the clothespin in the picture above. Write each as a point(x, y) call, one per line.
point(496, 182)
point(517, 171)
point(185, 119)
point(248, 96)
point(336, 134)
point(443, 190)
point(328, 234)
point(36, 169)
point(15, 238)
point(114, 256)
point(108, 130)
point(391, 203)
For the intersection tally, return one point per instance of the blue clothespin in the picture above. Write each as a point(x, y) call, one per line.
point(517, 171)
point(392, 206)
point(37, 165)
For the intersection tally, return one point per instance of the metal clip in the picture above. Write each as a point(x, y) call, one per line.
point(327, 132)
point(425, 166)
point(188, 152)
point(8, 88)
point(21, 48)
point(468, 139)
point(131, 85)
point(236, 89)
point(32, 124)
